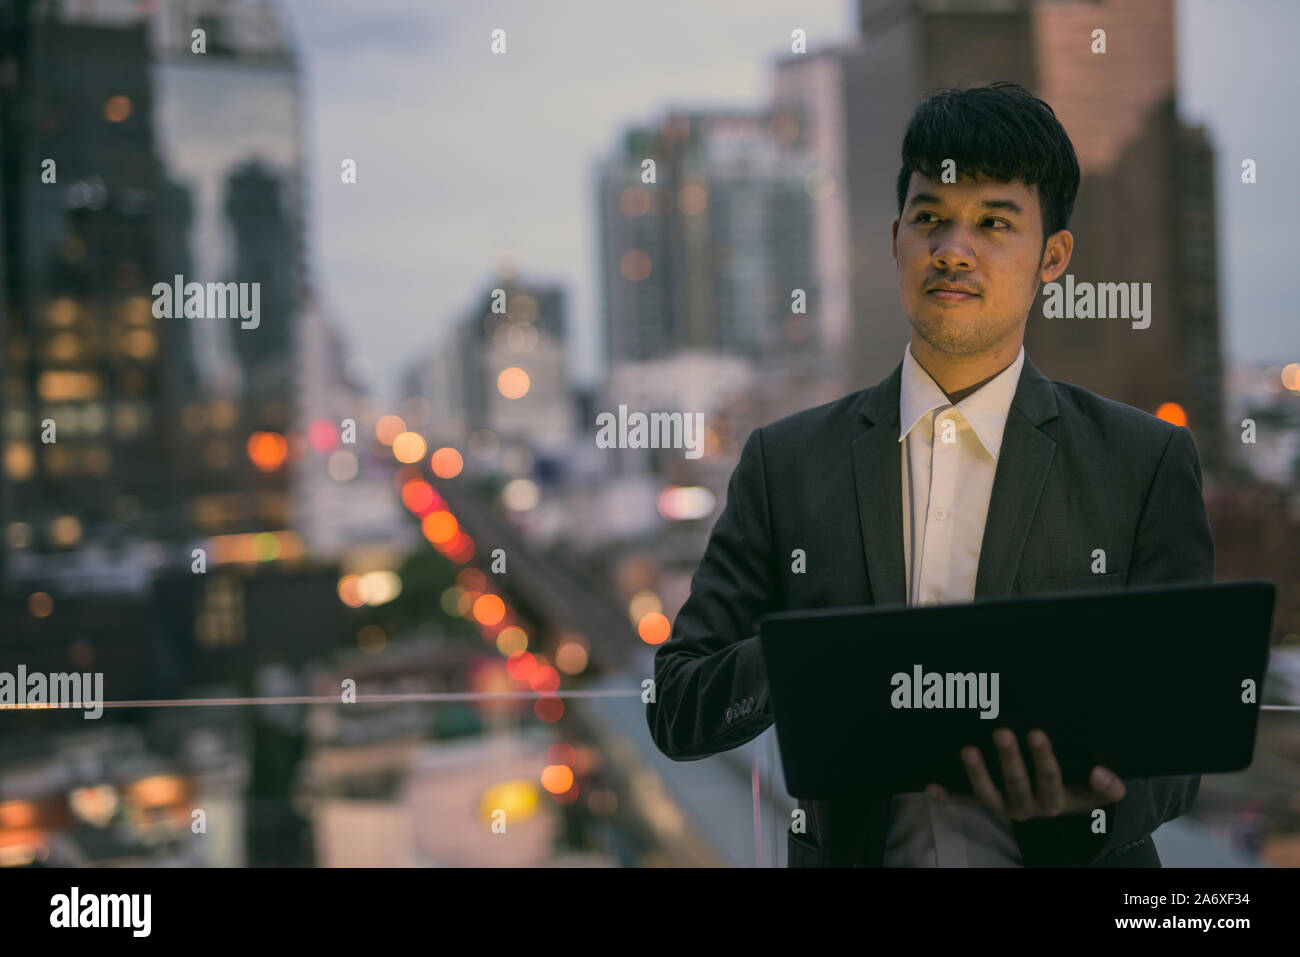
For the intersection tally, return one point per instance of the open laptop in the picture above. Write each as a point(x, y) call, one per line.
point(1151, 680)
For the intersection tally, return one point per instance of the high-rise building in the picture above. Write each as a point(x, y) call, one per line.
point(716, 254)
point(229, 130)
point(88, 388)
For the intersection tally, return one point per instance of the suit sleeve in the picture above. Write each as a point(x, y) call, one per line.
point(711, 690)
point(1173, 543)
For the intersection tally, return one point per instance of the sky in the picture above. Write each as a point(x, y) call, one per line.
point(466, 160)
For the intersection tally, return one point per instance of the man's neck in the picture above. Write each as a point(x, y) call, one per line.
point(949, 374)
point(955, 397)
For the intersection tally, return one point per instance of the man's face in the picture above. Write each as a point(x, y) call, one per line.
point(981, 235)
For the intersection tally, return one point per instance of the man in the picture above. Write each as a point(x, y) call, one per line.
point(964, 474)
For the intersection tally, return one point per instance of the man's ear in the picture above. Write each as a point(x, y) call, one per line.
point(1056, 255)
point(894, 243)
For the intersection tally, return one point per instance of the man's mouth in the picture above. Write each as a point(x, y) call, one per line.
point(950, 295)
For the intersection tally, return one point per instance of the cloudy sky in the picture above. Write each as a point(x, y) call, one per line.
point(464, 158)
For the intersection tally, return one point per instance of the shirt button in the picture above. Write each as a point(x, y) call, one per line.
point(941, 513)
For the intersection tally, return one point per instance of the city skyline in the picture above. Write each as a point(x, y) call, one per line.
point(379, 262)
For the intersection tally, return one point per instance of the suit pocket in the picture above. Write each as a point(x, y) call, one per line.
point(1035, 586)
point(802, 852)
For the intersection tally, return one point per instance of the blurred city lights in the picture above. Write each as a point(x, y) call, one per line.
point(544, 678)
point(250, 547)
point(512, 639)
point(557, 778)
point(1291, 377)
point(40, 604)
point(159, 790)
point(349, 592)
point(267, 450)
point(323, 435)
point(409, 447)
point(653, 628)
point(1172, 412)
point(465, 603)
point(643, 603)
point(634, 266)
point(65, 530)
point(94, 805)
point(117, 108)
point(17, 814)
point(518, 799)
point(521, 665)
point(471, 579)
point(439, 526)
point(571, 657)
point(388, 428)
point(548, 709)
point(379, 587)
point(513, 382)
point(489, 609)
point(683, 503)
point(419, 496)
point(520, 495)
point(446, 463)
point(342, 466)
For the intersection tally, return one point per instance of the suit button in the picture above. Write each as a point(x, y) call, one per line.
point(730, 715)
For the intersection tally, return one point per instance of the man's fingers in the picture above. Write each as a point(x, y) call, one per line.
point(980, 781)
point(1106, 785)
point(1020, 795)
point(1051, 789)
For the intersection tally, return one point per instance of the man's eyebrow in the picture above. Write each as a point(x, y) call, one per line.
point(1009, 205)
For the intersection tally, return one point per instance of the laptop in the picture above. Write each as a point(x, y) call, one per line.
point(1150, 680)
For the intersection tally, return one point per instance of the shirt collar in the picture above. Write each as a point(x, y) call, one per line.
point(985, 409)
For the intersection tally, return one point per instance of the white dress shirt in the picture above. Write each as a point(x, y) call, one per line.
point(949, 456)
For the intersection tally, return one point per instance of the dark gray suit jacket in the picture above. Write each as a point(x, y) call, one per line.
point(1076, 472)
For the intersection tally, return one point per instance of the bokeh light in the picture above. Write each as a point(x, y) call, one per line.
point(388, 428)
point(557, 778)
point(653, 628)
point(446, 463)
point(513, 382)
point(267, 450)
point(409, 447)
point(489, 609)
point(439, 526)
point(1172, 412)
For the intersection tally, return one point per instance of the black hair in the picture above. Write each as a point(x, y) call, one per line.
point(1000, 132)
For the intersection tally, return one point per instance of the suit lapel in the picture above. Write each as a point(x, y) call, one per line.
point(876, 464)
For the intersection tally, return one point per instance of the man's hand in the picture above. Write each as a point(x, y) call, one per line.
point(1021, 802)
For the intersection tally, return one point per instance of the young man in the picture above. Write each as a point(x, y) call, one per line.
point(965, 473)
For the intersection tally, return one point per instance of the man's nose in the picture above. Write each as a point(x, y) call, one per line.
point(953, 251)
